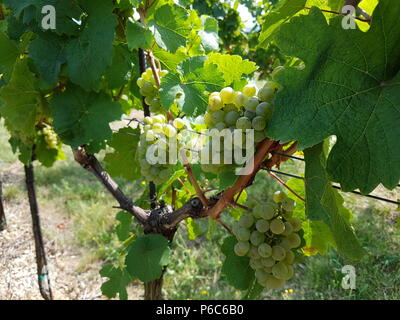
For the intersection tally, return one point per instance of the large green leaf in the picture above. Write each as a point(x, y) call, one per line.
point(189, 84)
point(21, 100)
point(65, 11)
point(232, 66)
point(82, 117)
point(118, 280)
point(350, 87)
point(119, 72)
point(47, 51)
point(209, 34)
point(171, 26)
point(138, 36)
point(236, 270)
point(147, 257)
point(323, 203)
point(123, 161)
point(90, 54)
point(9, 52)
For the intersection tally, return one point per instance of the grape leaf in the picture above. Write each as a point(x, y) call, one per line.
point(137, 36)
point(90, 54)
point(147, 257)
point(21, 100)
point(169, 61)
point(82, 117)
point(171, 26)
point(233, 67)
point(119, 72)
point(209, 34)
point(9, 52)
point(123, 228)
point(24, 150)
point(118, 280)
point(350, 87)
point(47, 51)
point(323, 203)
point(317, 235)
point(289, 8)
point(188, 85)
point(123, 161)
point(65, 10)
point(193, 229)
point(236, 270)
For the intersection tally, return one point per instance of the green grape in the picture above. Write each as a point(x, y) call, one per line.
point(240, 100)
point(165, 174)
point(257, 238)
point(272, 84)
point(150, 135)
point(243, 123)
point(246, 221)
point(208, 120)
point(249, 114)
point(267, 262)
point(290, 273)
point(264, 109)
point(264, 250)
point(218, 116)
point(288, 204)
point(169, 131)
point(249, 90)
point(148, 120)
point(158, 128)
point(265, 211)
point(279, 196)
point(179, 123)
point(288, 228)
point(241, 248)
point(220, 126)
point(277, 226)
point(253, 253)
point(159, 119)
point(280, 271)
point(255, 264)
point(294, 240)
point(227, 95)
point(148, 89)
point(262, 225)
point(274, 283)
point(215, 103)
point(243, 234)
point(287, 214)
point(285, 244)
point(266, 94)
point(296, 223)
point(258, 123)
point(289, 259)
point(140, 82)
point(278, 253)
point(230, 107)
point(261, 275)
point(259, 136)
point(251, 104)
point(231, 117)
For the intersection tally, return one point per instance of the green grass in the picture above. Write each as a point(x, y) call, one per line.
point(194, 271)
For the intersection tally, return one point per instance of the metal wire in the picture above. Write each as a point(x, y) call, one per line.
point(338, 187)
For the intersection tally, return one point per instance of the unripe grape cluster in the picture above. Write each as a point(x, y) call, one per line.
point(149, 90)
point(50, 137)
point(246, 109)
point(159, 133)
point(269, 236)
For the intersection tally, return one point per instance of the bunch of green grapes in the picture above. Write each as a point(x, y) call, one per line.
point(241, 110)
point(157, 132)
point(269, 236)
point(50, 137)
point(149, 90)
